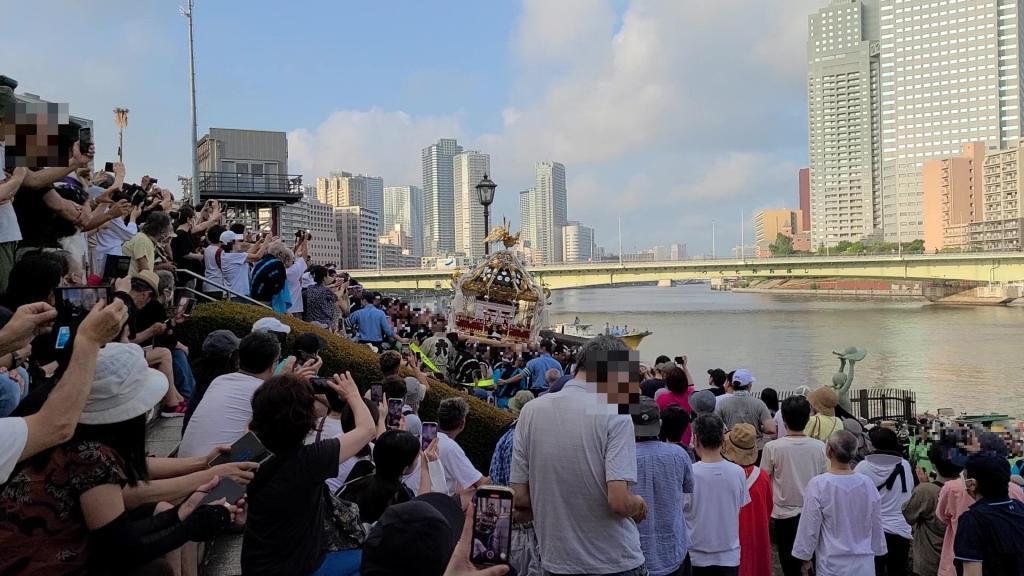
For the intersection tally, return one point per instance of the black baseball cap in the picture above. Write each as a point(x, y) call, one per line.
point(414, 538)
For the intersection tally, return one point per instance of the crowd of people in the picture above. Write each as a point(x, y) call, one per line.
point(614, 468)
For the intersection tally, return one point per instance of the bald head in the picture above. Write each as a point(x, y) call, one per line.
point(842, 447)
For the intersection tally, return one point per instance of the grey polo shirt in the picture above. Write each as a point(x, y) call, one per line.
point(742, 407)
point(567, 447)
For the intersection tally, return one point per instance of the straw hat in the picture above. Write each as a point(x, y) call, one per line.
point(824, 400)
point(740, 445)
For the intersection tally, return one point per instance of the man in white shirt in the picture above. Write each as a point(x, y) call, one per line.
point(234, 266)
point(223, 414)
point(713, 511)
point(791, 462)
point(112, 235)
point(841, 522)
point(451, 421)
point(296, 271)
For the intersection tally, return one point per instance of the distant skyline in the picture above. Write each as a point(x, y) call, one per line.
point(670, 114)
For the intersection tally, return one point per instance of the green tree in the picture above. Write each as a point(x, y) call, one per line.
point(843, 246)
point(917, 246)
point(783, 245)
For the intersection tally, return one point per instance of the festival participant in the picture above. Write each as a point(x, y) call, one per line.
point(919, 511)
point(740, 448)
point(587, 525)
point(713, 512)
point(990, 536)
point(742, 407)
point(371, 323)
point(287, 500)
point(841, 522)
point(791, 462)
point(893, 477)
point(664, 475)
point(955, 500)
point(824, 423)
point(536, 369)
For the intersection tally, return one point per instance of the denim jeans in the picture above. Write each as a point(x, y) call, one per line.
point(11, 393)
point(344, 563)
point(640, 571)
point(184, 381)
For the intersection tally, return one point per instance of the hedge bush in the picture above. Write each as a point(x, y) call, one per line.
point(484, 425)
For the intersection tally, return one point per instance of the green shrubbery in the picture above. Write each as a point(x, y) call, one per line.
point(485, 423)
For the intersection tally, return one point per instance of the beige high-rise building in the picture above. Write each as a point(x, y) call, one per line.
point(468, 169)
point(768, 224)
point(843, 121)
point(1002, 228)
point(318, 219)
point(951, 198)
point(357, 232)
point(549, 211)
point(950, 75)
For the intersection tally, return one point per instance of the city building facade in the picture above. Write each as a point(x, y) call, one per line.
point(950, 75)
point(577, 242)
point(804, 179)
point(528, 226)
point(1001, 228)
point(403, 206)
point(844, 145)
point(439, 197)
point(951, 197)
point(347, 189)
point(468, 169)
point(548, 211)
point(357, 232)
point(768, 224)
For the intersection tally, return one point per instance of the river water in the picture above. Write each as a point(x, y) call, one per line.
point(966, 358)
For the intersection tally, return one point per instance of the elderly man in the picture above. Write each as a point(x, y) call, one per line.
point(574, 457)
point(743, 408)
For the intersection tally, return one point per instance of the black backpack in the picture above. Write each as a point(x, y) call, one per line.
point(268, 278)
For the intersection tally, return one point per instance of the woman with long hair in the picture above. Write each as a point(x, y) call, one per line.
point(394, 456)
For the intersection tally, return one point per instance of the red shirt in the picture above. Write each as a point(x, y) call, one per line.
point(755, 540)
point(669, 398)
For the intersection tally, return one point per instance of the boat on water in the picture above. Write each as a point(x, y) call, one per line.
point(577, 332)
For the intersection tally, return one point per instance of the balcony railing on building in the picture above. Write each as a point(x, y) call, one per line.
point(272, 188)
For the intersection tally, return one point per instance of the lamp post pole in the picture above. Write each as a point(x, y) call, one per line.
point(485, 194)
point(187, 13)
point(121, 121)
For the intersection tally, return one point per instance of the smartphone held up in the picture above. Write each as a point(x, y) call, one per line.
point(427, 434)
point(492, 526)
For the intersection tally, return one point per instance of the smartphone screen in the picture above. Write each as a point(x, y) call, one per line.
point(492, 526)
point(320, 386)
point(227, 489)
point(394, 413)
point(427, 434)
point(248, 448)
point(73, 304)
point(376, 393)
point(108, 167)
point(185, 306)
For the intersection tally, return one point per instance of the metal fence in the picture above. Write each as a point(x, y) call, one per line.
point(875, 404)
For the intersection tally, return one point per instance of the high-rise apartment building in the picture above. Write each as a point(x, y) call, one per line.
point(844, 105)
point(549, 211)
point(577, 242)
point(677, 251)
point(468, 169)
point(347, 189)
point(357, 232)
point(403, 206)
point(1002, 225)
point(527, 224)
point(951, 197)
point(439, 197)
point(950, 75)
point(317, 218)
point(805, 198)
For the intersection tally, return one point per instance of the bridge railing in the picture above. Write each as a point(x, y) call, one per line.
point(876, 404)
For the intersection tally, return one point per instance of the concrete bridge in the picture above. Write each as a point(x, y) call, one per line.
point(989, 267)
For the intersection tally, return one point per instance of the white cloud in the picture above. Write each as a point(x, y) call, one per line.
point(376, 142)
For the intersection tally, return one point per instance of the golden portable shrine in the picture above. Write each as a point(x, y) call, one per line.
point(498, 300)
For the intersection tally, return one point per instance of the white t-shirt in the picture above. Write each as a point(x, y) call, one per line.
point(294, 273)
point(109, 239)
point(14, 433)
point(457, 468)
point(878, 467)
point(212, 270)
point(9, 230)
point(791, 462)
point(332, 429)
point(235, 267)
point(222, 416)
point(841, 525)
point(713, 513)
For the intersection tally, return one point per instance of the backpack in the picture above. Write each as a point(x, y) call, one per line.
point(268, 278)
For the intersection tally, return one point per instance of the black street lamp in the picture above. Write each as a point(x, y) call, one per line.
point(485, 194)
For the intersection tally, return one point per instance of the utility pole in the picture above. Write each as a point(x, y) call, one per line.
point(187, 13)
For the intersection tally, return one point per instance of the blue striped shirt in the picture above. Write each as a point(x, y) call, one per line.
point(663, 475)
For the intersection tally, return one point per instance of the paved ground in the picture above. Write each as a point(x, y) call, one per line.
point(223, 557)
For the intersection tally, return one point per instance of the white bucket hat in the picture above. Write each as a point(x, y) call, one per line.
point(270, 324)
point(125, 386)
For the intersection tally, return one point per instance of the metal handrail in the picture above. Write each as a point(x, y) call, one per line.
point(222, 288)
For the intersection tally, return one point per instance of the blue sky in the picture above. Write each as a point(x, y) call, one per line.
point(668, 113)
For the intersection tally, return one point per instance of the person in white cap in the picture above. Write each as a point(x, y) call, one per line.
point(742, 407)
point(234, 266)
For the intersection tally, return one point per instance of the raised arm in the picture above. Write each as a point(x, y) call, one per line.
point(354, 440)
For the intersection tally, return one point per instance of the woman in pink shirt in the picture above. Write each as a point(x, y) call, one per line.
point(677, 391)
point(954, 501)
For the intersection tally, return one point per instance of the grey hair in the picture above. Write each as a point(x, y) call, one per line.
point(843, 445)
point(414, 393)
point(281, 252)
point(596, 349)
point(157, 224)
point(452, 413)
point(166, 280)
